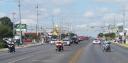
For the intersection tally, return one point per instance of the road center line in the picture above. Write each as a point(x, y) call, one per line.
point(75, 57)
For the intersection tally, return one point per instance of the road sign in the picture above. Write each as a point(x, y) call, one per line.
point(22, 26)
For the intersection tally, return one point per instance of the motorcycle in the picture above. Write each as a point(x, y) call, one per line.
point(11, 48)
point(75, 41)
point(10, 45)
point(107, 48)
point(59, 46)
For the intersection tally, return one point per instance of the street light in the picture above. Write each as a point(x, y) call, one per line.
point(19, 5)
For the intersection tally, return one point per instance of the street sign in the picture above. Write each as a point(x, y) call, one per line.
point(22, 26)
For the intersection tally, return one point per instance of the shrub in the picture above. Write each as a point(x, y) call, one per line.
point(3, 44)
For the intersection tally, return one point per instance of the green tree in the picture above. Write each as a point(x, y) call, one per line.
point(3, 31)
point(72, 34)
point(100, 35)
point(6, 27)
point(54, 36)
point(110, 35)
point(63, 36)
point(6, 30)
point(6, 21)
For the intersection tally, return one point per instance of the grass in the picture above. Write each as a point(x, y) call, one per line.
point(124, 45)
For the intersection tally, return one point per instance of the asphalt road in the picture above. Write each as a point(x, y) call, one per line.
point(42, 54)
point(85, 52)
point(94, 54)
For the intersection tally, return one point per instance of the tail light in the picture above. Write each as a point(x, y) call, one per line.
point(58, 44)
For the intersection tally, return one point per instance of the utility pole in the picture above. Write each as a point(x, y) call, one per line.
point(114, 23)
point(53, 24)
point(37, 23)
point(13, 15)
point(61, 26)
point(124, 17)
point(20, 21)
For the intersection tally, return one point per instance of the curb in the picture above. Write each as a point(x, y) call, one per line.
point(24, 46)
point(4, 49)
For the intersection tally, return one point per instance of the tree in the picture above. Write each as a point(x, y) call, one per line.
point(6, 27)
point(72, 34)
point(6, 30)
point(63, 36)
point(54, 36)
point(100, 35)
point(110, 35)
point(6, 21)
point(3, 31)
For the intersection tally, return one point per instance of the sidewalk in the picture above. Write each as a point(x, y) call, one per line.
point(22, 46)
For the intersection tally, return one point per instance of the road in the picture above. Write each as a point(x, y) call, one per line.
point(41, 54)
point(85, 52)
point(94, 54)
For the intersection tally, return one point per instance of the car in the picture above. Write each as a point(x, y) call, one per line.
point(96, 41)
point(53, 41)
point(66, 41)
point(82, 38)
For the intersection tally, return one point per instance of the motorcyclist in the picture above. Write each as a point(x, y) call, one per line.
point(11, 45)
point(106, 46)
point(74, 38)
point(59, 43)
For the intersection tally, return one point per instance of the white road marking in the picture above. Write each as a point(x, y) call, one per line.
point(14, 61)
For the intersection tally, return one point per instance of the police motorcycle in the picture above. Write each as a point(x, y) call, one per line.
point(107, 46)
point(11, 45)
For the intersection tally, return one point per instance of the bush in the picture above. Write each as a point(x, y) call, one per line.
point(100, 35)
point(110, 36)
point(3, 44)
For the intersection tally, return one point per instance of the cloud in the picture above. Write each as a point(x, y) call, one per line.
point(103, 10)
point(89, 14)
point(118, 2)
point(81, 26)
point(56, 11)
point(27, 21)
point(2, 14)
point(62, 2)
point(51, 2)
point(112, 1)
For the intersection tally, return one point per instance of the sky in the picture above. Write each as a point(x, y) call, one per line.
point(81, 15)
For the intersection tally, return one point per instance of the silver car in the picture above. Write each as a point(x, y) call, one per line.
point(66, 41)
